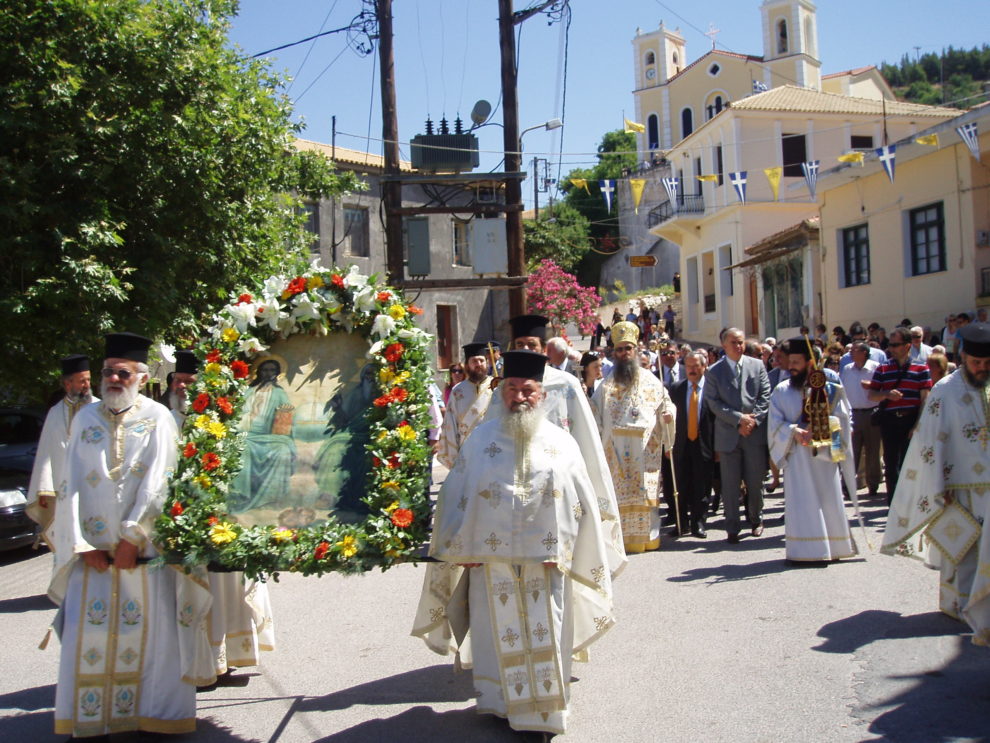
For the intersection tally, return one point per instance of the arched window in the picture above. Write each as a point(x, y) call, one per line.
point(687, 122)
point(714, 105)
point(781, 36)
point(653, 132)
point(673, 58)
point(651, 58)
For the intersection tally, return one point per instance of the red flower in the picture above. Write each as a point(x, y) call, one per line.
point(176, 509)
point(381, 402)
point(393, 352)
point(240, 369)
point(190, 450)
point(321, 550)
point(210, 461)
point(201, 403)
point(376, 462)
point(415, 310)
point(213, 356)
point(296, 286)
point(244, 299)
point(393, 461)
point(212, 520)
point(402, 517)
point(384, 296)
point(337, 280)
point(224, 404)
point(399, 394)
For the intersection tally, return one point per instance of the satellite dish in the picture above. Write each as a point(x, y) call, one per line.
point(481, 111)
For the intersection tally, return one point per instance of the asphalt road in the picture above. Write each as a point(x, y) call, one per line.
point(714, 642)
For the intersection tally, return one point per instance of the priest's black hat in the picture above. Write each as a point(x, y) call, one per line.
point(976, 339)
point(524, 364)
point(128, 346)
point(525, 326)
point(799, 346)
point(74, 364)
point(186, 362)
point(475, 349)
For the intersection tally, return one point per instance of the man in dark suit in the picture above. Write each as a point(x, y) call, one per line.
point(737, 391)
point(693, 443)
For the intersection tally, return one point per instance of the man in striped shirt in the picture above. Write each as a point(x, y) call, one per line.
point(900, 386)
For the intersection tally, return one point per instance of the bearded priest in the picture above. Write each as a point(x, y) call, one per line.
point(469, 400)
point(815, 525)
point(46, 474)
point(132, 634)
point(635, 417)
point(522, 559)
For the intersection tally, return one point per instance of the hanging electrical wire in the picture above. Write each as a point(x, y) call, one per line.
point(310, 49)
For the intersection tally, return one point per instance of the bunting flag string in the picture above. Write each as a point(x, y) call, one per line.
point(970, 136)
point(851, 157)
point(608, 188)
point(738, 181)
point(810, 170)
point(929, 139)
point(887, 155)
point(711, 177)
point(581, 183)
point(773, 176)
point(759, 87)
point(632, 127)
point(636, 186)
point(671, 185)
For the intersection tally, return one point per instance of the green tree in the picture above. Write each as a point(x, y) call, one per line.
point(145, 171)
point(561, 234)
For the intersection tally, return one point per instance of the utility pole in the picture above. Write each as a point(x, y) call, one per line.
point(391, 188)
point(536, 188)
point(513, 157)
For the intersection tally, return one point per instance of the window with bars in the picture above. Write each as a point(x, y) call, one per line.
point(356, 241)
point(855, 256)
point(927, 235)
point(462, 237)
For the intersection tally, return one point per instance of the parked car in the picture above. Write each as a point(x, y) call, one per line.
point(20, 430)
point(16, 528)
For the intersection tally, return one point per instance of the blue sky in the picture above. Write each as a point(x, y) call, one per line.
point(446, 58)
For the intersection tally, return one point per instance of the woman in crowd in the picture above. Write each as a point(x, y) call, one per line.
point(455, 374)
point(938, 365)
point(591, 372)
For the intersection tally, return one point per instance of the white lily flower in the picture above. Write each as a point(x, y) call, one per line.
point(304, 308)
point(269, 313)
point(354, 279)
point(331, 304)
point(167, 352)
point(242, 315)
point(411, 333)
point(286, 324)
point(250, 345)
point(316, 267)
point(383, 326)
point(364, 300)
point(376, 348)
point(274, 285)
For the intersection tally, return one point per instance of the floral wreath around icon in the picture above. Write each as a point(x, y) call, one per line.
point(195, 527)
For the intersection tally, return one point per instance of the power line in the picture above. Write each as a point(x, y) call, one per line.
point(302, 41)
point(311, 47)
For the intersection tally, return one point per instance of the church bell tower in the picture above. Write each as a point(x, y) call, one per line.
point(790, 42)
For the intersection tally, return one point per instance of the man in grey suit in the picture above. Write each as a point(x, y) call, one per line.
point(737, 391)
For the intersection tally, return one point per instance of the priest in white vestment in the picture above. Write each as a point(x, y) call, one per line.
point(635, 417)
point(240, 622)
point(46, 475)
point(941, 507)
point(565, 404)
point(468, 403)
point(815, 525)
point(523, 558)
point(133, 639)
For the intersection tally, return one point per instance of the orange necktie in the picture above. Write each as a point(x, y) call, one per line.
point(692, 431)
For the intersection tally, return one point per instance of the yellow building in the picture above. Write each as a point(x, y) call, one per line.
point(781, 128)
point(918, 247)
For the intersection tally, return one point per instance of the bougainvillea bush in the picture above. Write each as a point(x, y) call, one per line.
point(557, 294)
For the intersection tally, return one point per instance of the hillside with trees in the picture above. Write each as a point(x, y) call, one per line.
point(955, 77)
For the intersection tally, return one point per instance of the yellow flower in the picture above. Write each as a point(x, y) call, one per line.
point(202, 422)
point(394, 504)
point(203, 481)
point(314, 282)
point(215, 382)
point(348, 546)
point(222, 533)
point(406, 433)
point(397, 311)
point(213, 368)
point(217, 429)
point(386, 375)
point(283, 535)
point(381, 435)
point(402, 377)
point(229, 335)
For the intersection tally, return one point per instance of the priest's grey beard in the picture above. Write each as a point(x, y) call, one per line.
point(523, 421)
point(978, 382)
point(178, 401)
point(624, 371)
point(83, 398)
point(119, 400)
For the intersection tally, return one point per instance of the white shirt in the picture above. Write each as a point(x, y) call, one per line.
point(920, 355)
point(851, 378)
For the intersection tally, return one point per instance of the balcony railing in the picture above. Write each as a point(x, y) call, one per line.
point(694, 204)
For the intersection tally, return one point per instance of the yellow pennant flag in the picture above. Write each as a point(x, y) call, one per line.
point(851, 157)
point(773, 175)
point(581, 183)
point(636, 185)
point(707, 177)
point(632, 127)
point(929, 139)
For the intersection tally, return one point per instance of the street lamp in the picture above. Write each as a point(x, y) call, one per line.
point(548, 125)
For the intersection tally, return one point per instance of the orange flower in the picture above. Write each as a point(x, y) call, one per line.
point(213, 357)
point(296, 286)
point(244, 299)
point(337, 280)
point(210, 461)
point(321, 550)
point(201, 403)
point(402, 517)
point(190, 450)
point(399, 394)
point(393, 352)
point(381, 402)
point(384, 296)
point(393, 461)
point(224, 404)
point(415, 310)
point(240, 369)
point(176, 509)
point(212, 520)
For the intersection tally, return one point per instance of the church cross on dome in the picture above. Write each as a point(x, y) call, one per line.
point(712, 32)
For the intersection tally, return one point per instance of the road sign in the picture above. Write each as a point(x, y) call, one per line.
point(642, 261)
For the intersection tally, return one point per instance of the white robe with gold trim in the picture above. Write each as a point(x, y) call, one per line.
point(466, 408)
point(948, 461)
point(133, 641)
point(543, 592)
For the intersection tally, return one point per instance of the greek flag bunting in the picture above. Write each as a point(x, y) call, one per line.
point(608, 188)
point(886, 156)
point(810, 170)
point(759, 87)
point(738, 181)
point(969, 135)
point(671, 185)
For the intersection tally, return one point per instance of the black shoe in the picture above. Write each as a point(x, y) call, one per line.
point(699, 532)
point(733, 538)
point(758, 530)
